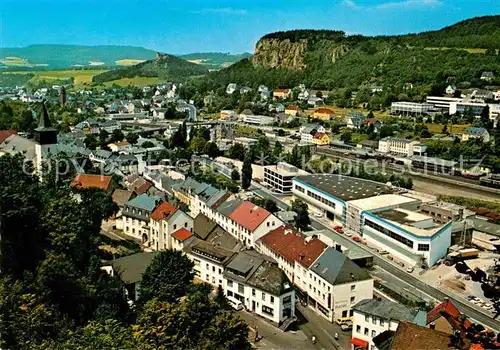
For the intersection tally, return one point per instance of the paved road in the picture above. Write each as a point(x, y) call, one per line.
point(467, 308)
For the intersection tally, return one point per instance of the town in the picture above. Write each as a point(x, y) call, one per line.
point(330, 190)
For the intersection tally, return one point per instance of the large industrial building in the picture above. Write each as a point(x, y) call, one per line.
point(387, 219)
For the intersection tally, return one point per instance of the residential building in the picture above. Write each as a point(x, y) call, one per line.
point(334, 284)
point(386, 220)
point(488, 76)
point(321, 139)
point(261, 286)
point(355, 120)
point(307, 131)
point(130, 269)
point(247, 276)
point(92, 181)
point(400, 146)
point(314, 101)
point(375, 316)
point(446, 318)
point(450, 89)
point(228, 115)
point(410, 108)
point(466, 107)
point(293, 251)
point(119, 146)
point(323, 113)
point(474, 133)
point(136, 215)
point(281, 94)
point(231, 88)
point(279, 177)
point(292, 110)
point(411, 336)
point(373, 122)
point(164, 221)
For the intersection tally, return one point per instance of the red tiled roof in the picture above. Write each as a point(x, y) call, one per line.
point(370, 121)
point(163, 212)
point(448, 310)
point(120, 144)
point(319, 135)
point(143, 188)
point(91, 181)
point(293, 246)
point(6, 133)
point(293, 108)
point(182, 234)
point(411, 336)
point(285, 91)
point(324, 110)
point(249, 215)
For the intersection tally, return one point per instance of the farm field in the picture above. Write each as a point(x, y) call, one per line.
point(80, 76)
point(452, 128)
point(341, 113)
point(128, 62)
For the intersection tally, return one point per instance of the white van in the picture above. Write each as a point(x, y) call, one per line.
point(235, 303)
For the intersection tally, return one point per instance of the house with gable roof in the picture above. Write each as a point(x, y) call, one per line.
point(166, 220)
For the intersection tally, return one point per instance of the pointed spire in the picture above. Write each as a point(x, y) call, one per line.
point(44, 121)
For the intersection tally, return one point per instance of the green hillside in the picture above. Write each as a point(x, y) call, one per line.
point(165, 67)
point(324, 59)
point(215, 59)
point(68, 56)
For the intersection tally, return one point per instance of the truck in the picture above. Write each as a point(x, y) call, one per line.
point(462, 254)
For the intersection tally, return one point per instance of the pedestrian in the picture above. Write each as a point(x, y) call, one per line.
point(313, 338)
point(336, 336)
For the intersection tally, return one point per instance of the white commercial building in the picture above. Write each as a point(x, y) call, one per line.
point(279, 177)
point(406, 108)
point(399, 146)
point(245, 141)
point(257, 119)
point(375, 316)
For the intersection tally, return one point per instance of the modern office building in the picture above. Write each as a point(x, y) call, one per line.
point(279, 177)
point(400, 146)
point(411, 108)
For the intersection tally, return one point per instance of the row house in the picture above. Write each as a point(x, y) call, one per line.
point(165, 220)
point(330, 282)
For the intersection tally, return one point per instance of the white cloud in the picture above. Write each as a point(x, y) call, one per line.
point(225, 10)
point(412, 3)
point(351, 4)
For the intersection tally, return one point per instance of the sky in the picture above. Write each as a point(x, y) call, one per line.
point(185, 26)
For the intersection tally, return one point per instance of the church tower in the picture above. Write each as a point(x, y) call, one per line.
point(45, 137)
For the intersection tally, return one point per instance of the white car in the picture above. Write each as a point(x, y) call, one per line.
point(317, 214)
point(348, 234)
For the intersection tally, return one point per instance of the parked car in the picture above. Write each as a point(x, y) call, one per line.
point(346, 327)
point(410, 269)
point(356, 239)
point(348, 234)
point(344, 320)
point(317, 214)
point(235, 303)
point(338, 229)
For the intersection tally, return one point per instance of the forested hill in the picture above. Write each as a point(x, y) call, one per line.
point(325, 59)
point(166, 67)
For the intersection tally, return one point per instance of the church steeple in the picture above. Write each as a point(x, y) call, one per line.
point(45, 134)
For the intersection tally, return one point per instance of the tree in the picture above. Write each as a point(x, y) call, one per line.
point(246, 172)
point(198, 144)
point(116, 136)
point(90, 142)
point(27, 122)
point(346, 136)
point(444, 130)
point(211, 149)
point(237, 151)
point(235, 175)
point(103, 137)
point(131, 137)
point(302, 220)
point(166, 277)
point(385, 131)
point(148, 144)
point(278, 149)
point(485, 116)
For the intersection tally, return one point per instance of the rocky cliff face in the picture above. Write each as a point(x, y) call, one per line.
point(274, 53)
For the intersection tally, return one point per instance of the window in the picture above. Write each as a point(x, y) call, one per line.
point(185, 224)
point(381, 322)
point(208, 267)
point(213, 268)
point(353, 287)
point(229, 293)
point(272, 299)
point(253, 292)
point(267, 310)
point(263, 296)
point(175, 226)
point(352, 299)
point(344, 313)
point(358, 329)
point(374, 334)
point(208, 277)
point(367, 318)
point(393, 235)
point(220, 271)
point(366, 331)
point(229, 283)
point(423, 247)
point(374, 320)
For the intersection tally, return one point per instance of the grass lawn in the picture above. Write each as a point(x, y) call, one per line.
point(80, 76)
point(341, 113)
point(128, 62)
point(454, 129)
point(137, 81)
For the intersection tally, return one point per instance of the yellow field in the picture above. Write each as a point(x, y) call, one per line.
point(341, 113)
point(138, 81)
point(469, 50)
point(80, 76)
point(455, 129)
point(96, 63)
point(128, 62)
point(19, 62)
